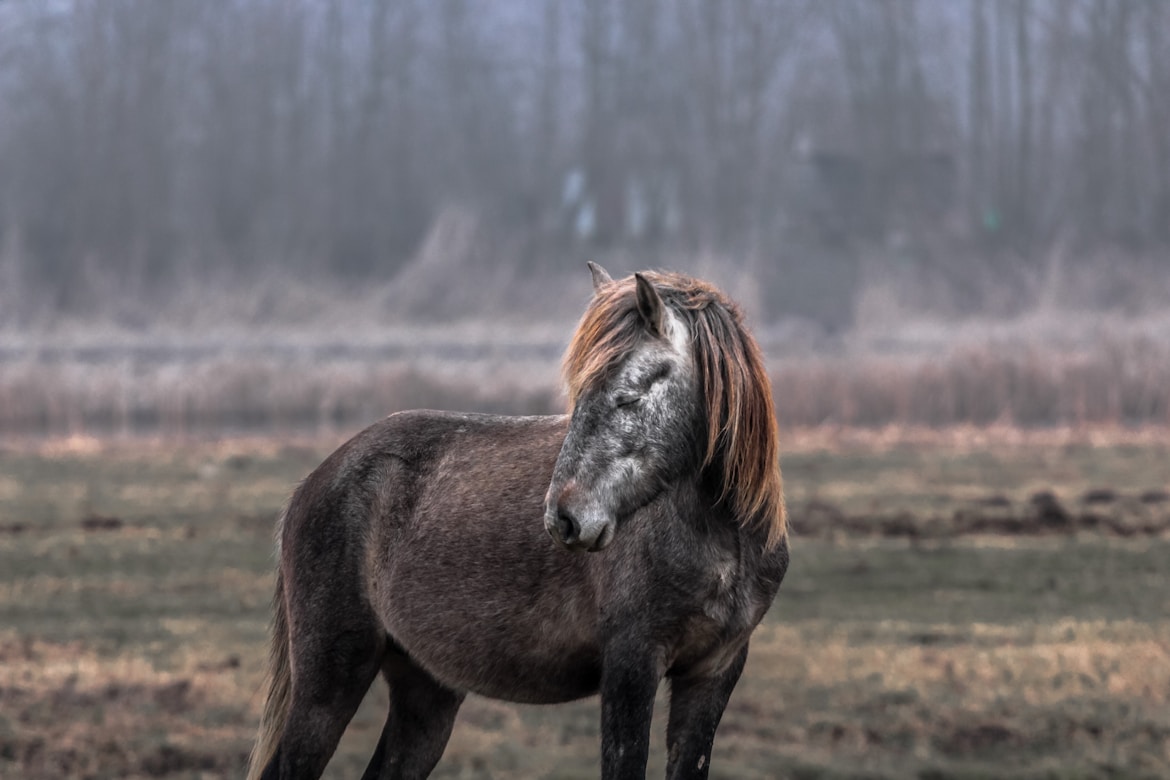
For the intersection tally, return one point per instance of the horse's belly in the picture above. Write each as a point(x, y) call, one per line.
point(490, 660)
point(502, 642)
point(534, 680)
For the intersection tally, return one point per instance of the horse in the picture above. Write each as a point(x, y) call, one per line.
point(542, 559)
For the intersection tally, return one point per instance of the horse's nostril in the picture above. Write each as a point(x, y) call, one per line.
point(568, 526)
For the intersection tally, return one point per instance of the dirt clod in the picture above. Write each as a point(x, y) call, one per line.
point(101, 523)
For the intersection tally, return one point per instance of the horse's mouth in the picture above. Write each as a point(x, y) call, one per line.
point(604, 539)
point(566, 533)
point(597, 545)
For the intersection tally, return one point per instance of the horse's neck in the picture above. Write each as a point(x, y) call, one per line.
point(702, 504)
point(697, 507)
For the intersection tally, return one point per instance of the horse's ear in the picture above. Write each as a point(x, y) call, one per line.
point(650, 306)
point(600, 275)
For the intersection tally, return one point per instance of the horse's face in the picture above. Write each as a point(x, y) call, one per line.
point(629, 437)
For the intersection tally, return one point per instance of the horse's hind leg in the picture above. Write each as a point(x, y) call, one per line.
point(331, 672)
point(422, 713)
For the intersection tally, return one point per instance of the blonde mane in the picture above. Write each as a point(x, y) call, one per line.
point(741, 419)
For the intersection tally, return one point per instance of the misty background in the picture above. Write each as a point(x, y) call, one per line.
point(289, 213)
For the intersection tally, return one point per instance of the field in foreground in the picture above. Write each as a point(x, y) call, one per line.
point(135, 581)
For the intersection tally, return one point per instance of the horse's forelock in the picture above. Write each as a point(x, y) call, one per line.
point(607, 332)
point(741, 418)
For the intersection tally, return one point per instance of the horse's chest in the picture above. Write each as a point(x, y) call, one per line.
point(724, 611)
point(717, 587)
point(722, 597)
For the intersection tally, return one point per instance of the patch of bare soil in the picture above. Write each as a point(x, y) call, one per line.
point(94, 522)
point(1100, 510)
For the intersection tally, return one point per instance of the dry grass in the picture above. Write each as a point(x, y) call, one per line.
point(230, 394)
point(986, 695)
point(1114, 383)
point(135, 648)
point(820, 698)
point(83, 714)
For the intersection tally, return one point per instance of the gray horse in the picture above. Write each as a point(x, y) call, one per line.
point(418, 550)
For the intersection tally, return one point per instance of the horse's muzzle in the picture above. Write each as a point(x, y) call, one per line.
point(580, 531)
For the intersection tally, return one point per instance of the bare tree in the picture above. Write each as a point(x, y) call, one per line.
point(145, 140)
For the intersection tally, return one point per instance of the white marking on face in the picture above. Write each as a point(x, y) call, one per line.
point(678, 335)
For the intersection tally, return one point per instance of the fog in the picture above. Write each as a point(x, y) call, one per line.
point(328, 191)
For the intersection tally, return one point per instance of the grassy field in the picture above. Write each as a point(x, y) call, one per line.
point(907, 641)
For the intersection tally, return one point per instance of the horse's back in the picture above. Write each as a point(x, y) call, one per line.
point(475, 461)
point(421, 437)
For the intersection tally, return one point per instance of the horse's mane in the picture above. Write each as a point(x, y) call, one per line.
point(741, 419)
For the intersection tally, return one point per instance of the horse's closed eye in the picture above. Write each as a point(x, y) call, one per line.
point(626, 401)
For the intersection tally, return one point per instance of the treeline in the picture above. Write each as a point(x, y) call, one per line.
point(153, 140)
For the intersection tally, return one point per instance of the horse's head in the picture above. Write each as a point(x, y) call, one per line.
point(637, 422)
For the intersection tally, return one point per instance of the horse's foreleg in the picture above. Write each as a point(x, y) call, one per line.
point(422, 713)
point(629, 678)
point(696, 706)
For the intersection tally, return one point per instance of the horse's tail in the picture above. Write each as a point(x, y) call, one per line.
point(279, 684)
